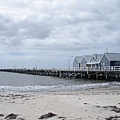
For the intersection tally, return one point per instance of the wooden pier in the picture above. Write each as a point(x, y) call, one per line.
point(106, 73)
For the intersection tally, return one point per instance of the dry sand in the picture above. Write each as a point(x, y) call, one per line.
point(76, 105)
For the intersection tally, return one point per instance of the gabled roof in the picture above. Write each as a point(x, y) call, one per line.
point(88, 57)
point(98, 57)
point(113, 56)
point(79, 59)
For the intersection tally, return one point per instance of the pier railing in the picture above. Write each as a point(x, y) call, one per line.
point(106, 68)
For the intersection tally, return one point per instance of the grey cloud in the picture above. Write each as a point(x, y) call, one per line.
point(34, 29)
point(8, 27)
point(62, 25)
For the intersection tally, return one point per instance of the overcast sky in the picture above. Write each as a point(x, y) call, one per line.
point(50, 31)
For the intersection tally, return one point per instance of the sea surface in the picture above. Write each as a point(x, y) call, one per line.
point(16, 82)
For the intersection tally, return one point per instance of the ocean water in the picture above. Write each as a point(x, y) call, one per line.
point(22, 83)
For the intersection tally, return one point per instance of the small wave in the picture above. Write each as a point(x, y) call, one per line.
point(38, 88)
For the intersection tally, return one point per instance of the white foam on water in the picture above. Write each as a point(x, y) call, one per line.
point(38, 88)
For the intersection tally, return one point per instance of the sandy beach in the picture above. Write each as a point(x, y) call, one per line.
point(94, 104)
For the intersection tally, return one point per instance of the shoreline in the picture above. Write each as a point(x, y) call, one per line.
point(67, 105)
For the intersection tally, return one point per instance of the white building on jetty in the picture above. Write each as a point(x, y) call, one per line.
point(86, 59)
point(96, 61)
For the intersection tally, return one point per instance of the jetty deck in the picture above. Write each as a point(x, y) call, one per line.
point(109, 73)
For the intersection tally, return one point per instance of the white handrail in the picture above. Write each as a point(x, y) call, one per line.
point(106, 68)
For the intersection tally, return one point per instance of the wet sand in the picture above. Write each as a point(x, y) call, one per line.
point(94, 104)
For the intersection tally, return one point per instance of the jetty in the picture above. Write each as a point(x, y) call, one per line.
point(109, 73)
point(97, 67)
